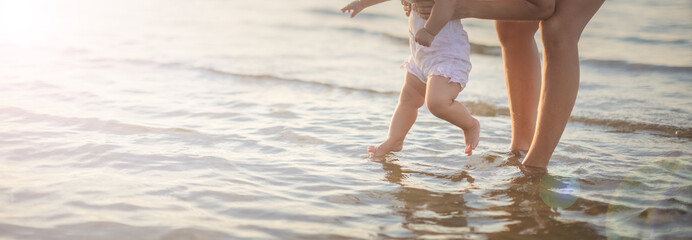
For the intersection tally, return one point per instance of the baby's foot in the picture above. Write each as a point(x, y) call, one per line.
point(385, 147)
point(471, 137)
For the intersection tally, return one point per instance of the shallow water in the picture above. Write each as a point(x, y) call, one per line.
point(195, 120)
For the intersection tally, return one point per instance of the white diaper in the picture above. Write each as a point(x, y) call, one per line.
point(448, 56)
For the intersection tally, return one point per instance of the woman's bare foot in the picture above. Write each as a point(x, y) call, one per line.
point(385, 147)
point(471, 137)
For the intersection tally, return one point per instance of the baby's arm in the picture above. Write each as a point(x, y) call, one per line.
point(358, 5)
point(442, 12)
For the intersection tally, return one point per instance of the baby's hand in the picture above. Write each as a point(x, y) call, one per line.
point(354, 8)
point(424, 38)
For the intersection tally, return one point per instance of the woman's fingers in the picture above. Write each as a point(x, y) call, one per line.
point(423, 7)
point(407, 7)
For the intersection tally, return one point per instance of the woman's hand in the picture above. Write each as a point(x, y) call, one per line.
point(407, 7)
point(354, 8)
point(423, 37)
point(423, 7)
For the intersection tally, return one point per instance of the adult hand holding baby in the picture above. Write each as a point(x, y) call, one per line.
point(423, 37)
point(421, 7)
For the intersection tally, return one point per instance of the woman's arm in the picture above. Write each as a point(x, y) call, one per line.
point(493, 9)
point(358, 5)
point(505, 9)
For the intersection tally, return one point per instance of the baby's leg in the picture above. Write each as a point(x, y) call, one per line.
point(411, 98)
point(440, 98)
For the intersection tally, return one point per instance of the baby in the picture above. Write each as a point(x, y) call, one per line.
point(436, 72)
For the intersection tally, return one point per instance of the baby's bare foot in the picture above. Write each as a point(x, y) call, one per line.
point(385, 147)
point(471, 137)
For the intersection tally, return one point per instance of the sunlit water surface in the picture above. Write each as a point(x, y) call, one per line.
point(249, 120)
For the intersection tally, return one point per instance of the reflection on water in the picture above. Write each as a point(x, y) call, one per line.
point(427, 212)
point(665, 200)
point(215, 155)
point(525, 212)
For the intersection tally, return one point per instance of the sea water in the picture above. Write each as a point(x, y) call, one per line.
point(229, 119)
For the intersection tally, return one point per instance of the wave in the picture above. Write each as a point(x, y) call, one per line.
point(96, 124)
point(654, 41)
point(617, 125)
point(294, 80)
point(481, 108)
point(252, 76)
point(478, 108)
point(640, 67)
point(631, 126)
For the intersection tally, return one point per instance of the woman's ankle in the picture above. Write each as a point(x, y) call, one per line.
point(520, 146)
point(394, 141)
point(536, 162)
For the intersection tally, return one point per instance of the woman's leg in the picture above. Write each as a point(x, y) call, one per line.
point(560, 35)
point(411, 98)
point(441, 100)
point(522, 77)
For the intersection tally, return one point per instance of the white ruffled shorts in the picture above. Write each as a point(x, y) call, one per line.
point(448, 56)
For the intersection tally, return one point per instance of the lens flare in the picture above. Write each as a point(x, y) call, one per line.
point(639, 209)
point(559, 193)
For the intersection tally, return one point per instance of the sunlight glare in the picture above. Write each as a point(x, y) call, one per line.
point(27, 21)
